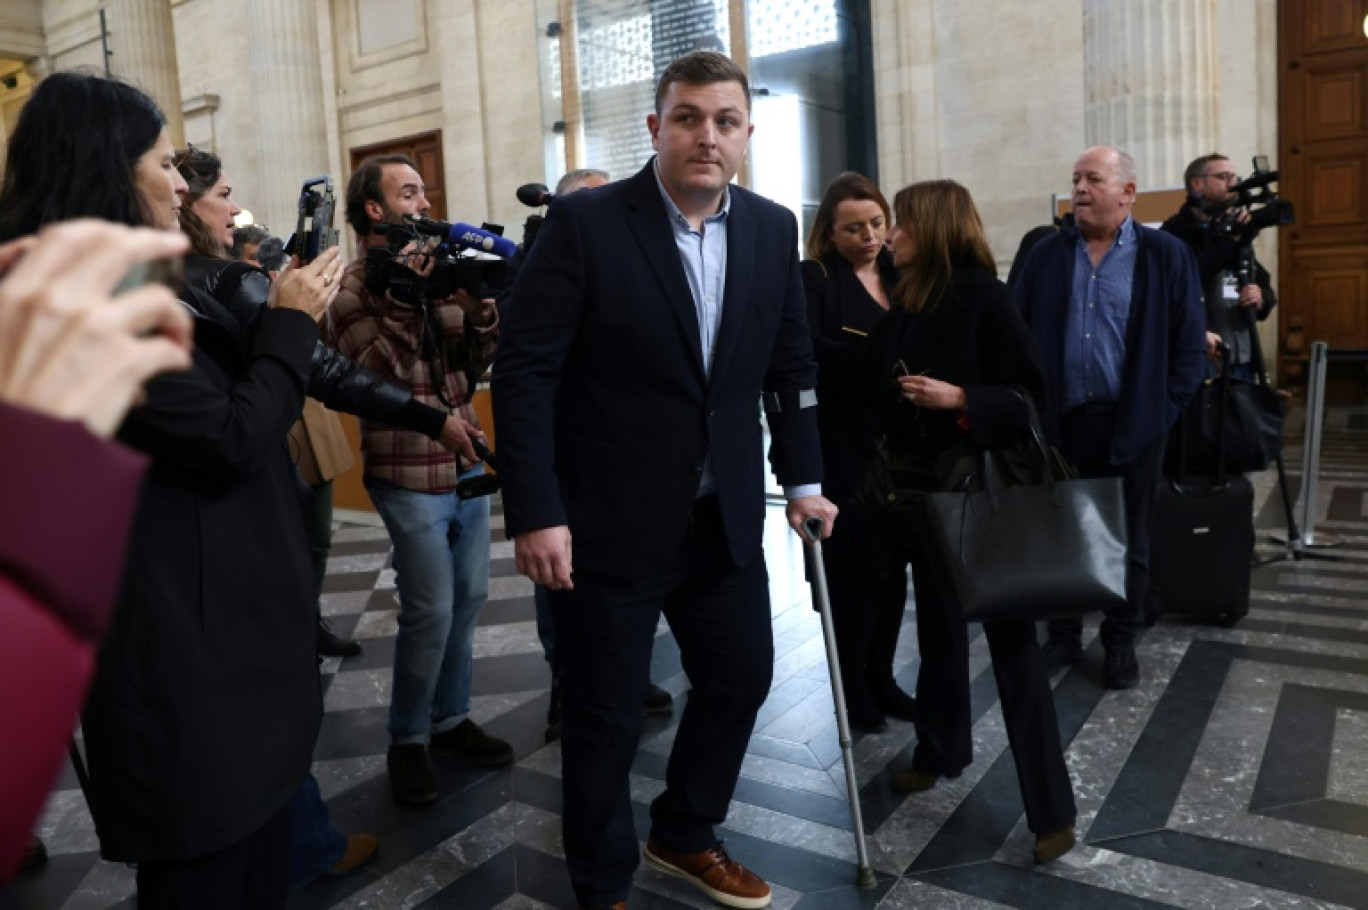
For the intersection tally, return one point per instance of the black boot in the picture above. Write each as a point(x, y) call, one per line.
point(329, 644)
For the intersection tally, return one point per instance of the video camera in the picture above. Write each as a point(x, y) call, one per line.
point(463, 258)
point(314, 232)
point(1255, 195)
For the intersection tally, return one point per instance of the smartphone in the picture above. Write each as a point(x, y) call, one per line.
point(170, 272)
point(314, 231)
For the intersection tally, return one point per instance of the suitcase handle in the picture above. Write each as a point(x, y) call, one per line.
point(1202, 490)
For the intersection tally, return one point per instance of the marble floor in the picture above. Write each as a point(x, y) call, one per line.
point(1234, 776)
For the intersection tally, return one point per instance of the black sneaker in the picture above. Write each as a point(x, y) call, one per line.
point(1060, 654)
point(328, 644)
point(410, 774)
point(1120, 670)
point(467, 741)
point(657, 701)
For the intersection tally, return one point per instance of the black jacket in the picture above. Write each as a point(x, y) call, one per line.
point(973, 337)
point(204, 710)
point(334, 378)
point(841, 315)
point(1216, 253)
point(604, 406)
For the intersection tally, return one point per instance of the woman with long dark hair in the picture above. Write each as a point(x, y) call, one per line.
point(945, 367)
point(205, 706)
point(849, 278)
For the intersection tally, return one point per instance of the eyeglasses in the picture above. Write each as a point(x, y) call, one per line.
point(1223, 176)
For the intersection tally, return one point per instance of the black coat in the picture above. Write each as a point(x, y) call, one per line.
point(604, 408)
point(841, 315)
point(1216, 253)
point(974, 338)
point(205, 706)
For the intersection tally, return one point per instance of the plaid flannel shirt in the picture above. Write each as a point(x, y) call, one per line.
point(384, 336)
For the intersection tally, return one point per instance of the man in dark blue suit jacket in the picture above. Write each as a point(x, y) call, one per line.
point(649, 320)
point(1117, 310)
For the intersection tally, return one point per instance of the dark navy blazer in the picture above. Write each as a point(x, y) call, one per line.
point(1165, 334)
point(603, 410)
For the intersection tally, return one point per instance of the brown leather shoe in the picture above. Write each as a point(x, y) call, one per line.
point(1052, 845)
point(715, 873)
point(360, 847)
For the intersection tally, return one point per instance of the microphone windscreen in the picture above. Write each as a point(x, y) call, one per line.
point(534, 194)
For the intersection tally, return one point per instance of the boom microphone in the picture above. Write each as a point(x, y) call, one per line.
point(535, 195)
point(464, 236)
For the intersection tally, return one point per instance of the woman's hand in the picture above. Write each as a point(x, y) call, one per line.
point(925, 392)
point(69, 348)
point(311, 288)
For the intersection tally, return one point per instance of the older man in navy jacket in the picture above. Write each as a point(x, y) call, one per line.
point(648, 321)
point(1117, 310)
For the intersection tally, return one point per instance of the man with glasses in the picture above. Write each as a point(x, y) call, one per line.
point(1215, 227)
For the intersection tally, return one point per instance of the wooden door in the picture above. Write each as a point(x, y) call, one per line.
point(426, 151)
point(1323, 154)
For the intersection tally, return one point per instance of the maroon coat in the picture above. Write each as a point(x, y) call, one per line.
point(66, 504)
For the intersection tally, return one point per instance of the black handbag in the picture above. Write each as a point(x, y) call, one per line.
point(1047, 547)
point(892, 484)
point(1248, 414)
point(1233, 425)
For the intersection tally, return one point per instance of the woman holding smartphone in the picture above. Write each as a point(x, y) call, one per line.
point(947, 368)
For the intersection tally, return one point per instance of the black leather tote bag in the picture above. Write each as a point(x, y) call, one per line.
point(1047, 547)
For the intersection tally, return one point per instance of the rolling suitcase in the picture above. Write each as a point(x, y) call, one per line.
point(1202, 549)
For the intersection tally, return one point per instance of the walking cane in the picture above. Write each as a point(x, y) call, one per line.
point(812, 529)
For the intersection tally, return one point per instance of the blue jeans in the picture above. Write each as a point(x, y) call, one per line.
point(315, 845)
point(441, 560)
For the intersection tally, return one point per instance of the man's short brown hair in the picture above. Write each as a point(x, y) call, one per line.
point(1197, 168)
point(364, 186)
point(700, 68)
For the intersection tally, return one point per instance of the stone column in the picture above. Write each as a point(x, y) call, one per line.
point(142, 45)
point(287, 95)
point(1149, 73)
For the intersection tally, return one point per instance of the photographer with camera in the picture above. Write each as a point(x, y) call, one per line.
point(1218, 224)
point(386, 318)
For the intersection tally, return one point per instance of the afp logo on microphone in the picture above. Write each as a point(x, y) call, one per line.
point(476, 240)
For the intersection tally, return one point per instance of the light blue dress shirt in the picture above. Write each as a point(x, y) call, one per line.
point(704, 256)
point(1099, 311)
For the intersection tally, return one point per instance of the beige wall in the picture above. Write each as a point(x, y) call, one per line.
point(985, 92)
point(21, 28)
point(991, 93)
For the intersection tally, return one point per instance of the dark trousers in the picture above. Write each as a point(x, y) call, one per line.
point(944, 721)
point(318, 515)
point(1086, 438)
point(720, 616)
point(252, 874)
point(868, 598)
point(315, 845)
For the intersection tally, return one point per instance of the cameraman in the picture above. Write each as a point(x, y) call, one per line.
point(441, 542)
point(1218, 230)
